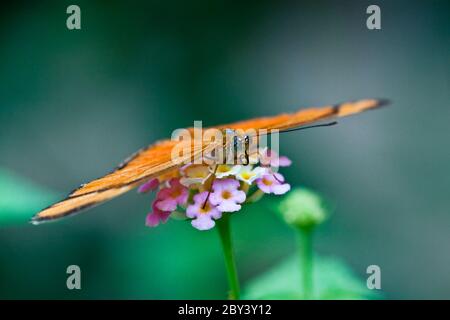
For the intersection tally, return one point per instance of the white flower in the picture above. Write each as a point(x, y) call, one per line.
point(248, 175)
point(224, 170)
point(195, 174)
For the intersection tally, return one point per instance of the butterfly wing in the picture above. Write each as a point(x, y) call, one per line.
point(155, 160)
point(307, 116)
point(145, 164)
point(72, 205)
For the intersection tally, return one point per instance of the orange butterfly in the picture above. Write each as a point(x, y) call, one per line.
point(155, 160)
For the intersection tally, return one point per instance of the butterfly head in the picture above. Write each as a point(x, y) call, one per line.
point(239, 146)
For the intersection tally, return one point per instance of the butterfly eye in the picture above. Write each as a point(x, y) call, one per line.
point(235, 141)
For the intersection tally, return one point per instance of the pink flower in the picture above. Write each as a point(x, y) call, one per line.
point(156, 216)
point(169, 198)
point(269, 157)
point(226, 195)
point(203, 213)
point(284, 161)
point(273, 183)
point(149, 186)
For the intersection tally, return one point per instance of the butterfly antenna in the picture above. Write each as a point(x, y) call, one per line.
point(310, 127)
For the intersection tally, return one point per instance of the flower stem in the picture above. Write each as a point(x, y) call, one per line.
point(223, 226)
point(306, 259)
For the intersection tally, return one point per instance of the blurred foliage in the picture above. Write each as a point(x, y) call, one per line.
point(172, 261)
point(332, 279)
point(20, 198)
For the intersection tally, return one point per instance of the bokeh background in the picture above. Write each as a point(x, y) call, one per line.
point(73, 104)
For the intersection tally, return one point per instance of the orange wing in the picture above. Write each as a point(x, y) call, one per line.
point(155, 160)
point(147, 163)
point(307, 116)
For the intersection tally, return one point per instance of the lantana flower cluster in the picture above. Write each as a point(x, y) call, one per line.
point(205, 193)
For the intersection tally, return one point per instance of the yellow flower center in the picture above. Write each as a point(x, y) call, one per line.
point(206, 209)
point(223, 168)
point(267, 182)
point(246, 175)
point(197, 172)
point(176, 193)
point(226, 194)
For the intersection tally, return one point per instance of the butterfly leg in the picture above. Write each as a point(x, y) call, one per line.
point(210, 188)
point(246, 157)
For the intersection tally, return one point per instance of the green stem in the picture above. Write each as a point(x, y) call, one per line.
point(223, 225)
point(306, 260)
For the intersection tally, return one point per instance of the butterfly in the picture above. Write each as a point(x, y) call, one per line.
point(156, 160)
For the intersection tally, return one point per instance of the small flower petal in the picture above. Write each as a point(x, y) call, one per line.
point(273, 183)
point(195, 174)
point(284, 161)
point(156, 216)
point(152, 220)
point(281, 188)
point(224, 170)
point(248, 175)
point(203, 223)
point(229, 206)
point(269, 157)
point(167, 204)
point(149, 186)
point(170, 197)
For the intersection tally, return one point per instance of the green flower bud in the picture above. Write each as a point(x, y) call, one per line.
point(303, 208)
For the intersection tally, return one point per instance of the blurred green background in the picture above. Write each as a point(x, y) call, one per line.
point(73, 104)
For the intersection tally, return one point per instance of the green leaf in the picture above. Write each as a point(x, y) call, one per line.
point(332, 279)
point(20, 199)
